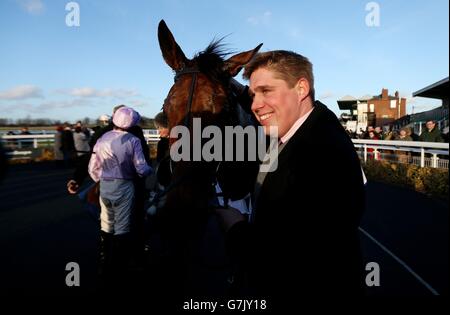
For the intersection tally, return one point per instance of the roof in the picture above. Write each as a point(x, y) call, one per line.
point(365, 97)
point(437, 90)
point(347, 98)
point(351, 102)
point(380, 96)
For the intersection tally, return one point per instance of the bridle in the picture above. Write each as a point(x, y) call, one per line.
point(193, 72)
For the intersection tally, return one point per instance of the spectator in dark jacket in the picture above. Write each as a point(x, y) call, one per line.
point(162, 153)
point(3, 162)
point(25, 131)
point(67, 145)
point(58, 153)
point(410, 132)
point(431, 133)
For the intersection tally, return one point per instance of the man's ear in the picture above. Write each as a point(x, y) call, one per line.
point(234, 64)
point(302, 87)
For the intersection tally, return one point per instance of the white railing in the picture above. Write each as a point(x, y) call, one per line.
point(421, 153)
point(20, 141)
point(17, 144)
point(428, 153)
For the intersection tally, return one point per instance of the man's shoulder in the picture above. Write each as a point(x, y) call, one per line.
point(321, 135)
point(136, 131)
point(436, 132)
point(322, 125)
point(324, 114)
point(99, 132)
point(117, 139)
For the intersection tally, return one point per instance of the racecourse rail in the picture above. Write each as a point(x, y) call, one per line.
point(423, 154)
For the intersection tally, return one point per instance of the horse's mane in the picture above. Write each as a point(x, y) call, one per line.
point(211, 61)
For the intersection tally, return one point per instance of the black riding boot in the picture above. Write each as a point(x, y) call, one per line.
point(121, 257)
point(105, 259)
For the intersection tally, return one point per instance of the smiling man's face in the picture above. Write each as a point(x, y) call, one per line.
point(274, 102)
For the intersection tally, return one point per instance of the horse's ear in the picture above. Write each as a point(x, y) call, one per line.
point(234, 64)
point(172, 53)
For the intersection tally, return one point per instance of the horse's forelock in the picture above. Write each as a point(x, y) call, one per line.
point(210, 94)
point(211, 60)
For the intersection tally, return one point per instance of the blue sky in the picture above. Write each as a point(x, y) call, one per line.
point(48, 69)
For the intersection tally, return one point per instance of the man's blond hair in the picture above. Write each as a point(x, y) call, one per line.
point(286, 65)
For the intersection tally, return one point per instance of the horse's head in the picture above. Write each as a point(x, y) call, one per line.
point(201, 90)
point(210, 93)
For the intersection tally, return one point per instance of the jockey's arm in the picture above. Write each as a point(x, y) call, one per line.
point(95, 165)
point(139, 161)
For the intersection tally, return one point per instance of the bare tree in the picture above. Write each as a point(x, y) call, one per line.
point(86, 121)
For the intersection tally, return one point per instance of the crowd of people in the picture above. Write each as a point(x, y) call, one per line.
point(71, 142)
point(430, 133)
point(74, 141)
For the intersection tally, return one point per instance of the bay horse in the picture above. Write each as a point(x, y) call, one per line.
point(201, 89)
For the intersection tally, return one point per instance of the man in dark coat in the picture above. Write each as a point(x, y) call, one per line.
point(67, 145)
point(162, 152)
point(431, 133)
point(303, 235)
point(3, 162)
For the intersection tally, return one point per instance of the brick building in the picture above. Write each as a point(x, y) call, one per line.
point(384, 108)
point(378, 110)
